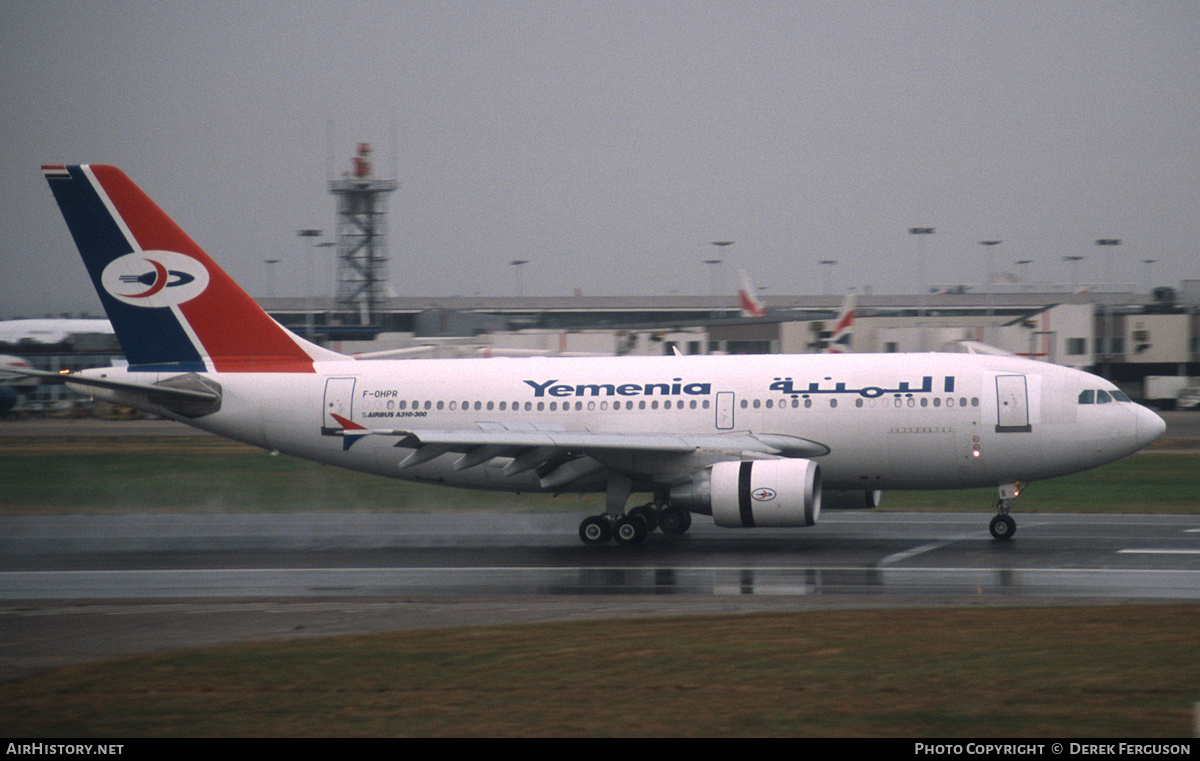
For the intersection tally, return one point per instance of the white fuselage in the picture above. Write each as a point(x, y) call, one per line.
point(893, 421)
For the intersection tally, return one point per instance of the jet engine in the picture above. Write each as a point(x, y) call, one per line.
point(766, 493)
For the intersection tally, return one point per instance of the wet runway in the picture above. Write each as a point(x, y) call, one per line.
point(77, 588)
point(365, 555)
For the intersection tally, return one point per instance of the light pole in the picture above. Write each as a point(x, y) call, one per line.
point(829, 264)
point(309, 234)
point(988, 245)
point(1023, 268)
point(271, 275)
point(518, 286)
point(1074, 259)
point(1108, 244)
point(1108, 321)
point(921, 232)
point(1148, 264)
point(714, 272)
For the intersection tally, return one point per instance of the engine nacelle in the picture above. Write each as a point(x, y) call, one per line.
point(764, 493)
point(851, 500)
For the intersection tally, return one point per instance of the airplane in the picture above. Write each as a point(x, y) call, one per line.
point(10, 382)
point(752, 441)
point(841, 338)
point(50, 330)
point(751, 306)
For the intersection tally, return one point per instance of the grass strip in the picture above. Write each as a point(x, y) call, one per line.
point(1105, 671)
point(128, 474)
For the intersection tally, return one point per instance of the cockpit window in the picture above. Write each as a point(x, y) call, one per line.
point(1100, 396)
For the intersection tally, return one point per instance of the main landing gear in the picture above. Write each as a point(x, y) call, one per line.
point(1003, 526)
point(633, 527)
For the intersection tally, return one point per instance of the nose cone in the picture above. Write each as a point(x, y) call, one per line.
point(1149, 426)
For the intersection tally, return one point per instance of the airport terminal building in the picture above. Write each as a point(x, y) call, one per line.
point(1126, 337)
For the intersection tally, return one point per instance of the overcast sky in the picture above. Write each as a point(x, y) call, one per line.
point(611, 143)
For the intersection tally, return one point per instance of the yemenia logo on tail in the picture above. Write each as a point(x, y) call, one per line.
point(155, 278)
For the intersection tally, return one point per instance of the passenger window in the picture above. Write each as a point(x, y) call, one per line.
point(1087, 397)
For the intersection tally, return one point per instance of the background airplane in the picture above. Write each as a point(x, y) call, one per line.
point(760, 440)
point(12, 383)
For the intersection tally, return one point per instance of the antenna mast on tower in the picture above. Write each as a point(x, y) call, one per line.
point(361, 238)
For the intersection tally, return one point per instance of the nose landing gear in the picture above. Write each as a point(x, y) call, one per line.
point(1003, 526)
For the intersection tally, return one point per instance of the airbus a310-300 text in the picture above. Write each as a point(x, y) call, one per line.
point(748, 440)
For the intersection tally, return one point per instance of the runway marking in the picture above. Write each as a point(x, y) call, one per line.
point(1158, 552)
point(921, 550)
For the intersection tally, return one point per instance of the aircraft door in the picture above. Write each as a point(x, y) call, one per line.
point(339, 400)
point(725, 410)
point(1012, 404)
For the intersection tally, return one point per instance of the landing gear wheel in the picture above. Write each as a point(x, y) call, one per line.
point(674, 521)
point(1003, 527)
point(595, 530)
point(647, 513)
point(630, 530)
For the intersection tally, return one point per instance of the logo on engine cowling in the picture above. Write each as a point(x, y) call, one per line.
point(763, 495)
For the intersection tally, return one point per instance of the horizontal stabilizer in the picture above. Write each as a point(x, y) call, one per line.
point(187, 395)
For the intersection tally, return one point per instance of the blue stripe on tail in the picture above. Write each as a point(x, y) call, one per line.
point(152, 338)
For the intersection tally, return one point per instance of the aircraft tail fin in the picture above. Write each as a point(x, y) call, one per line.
point(171, 306)
point(841, 339)
point(751, 306)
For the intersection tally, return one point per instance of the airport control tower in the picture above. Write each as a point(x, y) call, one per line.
point(361, 238)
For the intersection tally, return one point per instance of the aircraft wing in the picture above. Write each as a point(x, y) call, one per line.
point(530, 449)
